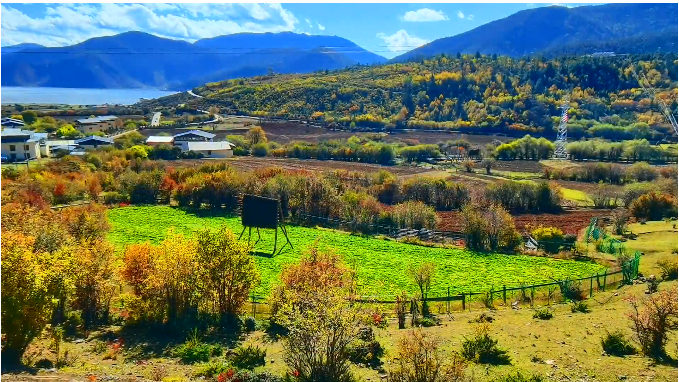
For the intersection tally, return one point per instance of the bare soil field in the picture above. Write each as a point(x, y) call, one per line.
point(570, 222)
point(254, 163)
point(288, 132)
point(519, 166)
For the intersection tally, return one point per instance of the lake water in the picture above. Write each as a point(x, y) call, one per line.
point(74, 96)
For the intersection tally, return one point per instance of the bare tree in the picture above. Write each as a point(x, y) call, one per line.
point(422, 275)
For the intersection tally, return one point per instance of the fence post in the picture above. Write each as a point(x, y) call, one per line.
point(523, 293)
point(532, 295)
point(463, 302)
point(605, 272)
point(254, 307)
point(591, 286)
point(504, 294)
point(448, 301)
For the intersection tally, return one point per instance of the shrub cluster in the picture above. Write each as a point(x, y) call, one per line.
point(632, 150)
point(611, 173)
point(654, 206)
point(175, 280)
point(616, 343)
point(525, 197)
point(482, 348)
point(549, 238)
point(489, 229)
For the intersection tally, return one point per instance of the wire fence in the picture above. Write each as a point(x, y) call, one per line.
point(530, 295)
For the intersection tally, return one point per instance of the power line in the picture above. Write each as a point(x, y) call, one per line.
point(93, 52)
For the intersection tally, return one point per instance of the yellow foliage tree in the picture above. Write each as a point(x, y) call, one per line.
point(30, 284)
point(228, 271)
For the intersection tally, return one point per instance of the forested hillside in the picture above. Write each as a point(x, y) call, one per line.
point(544, 29)
point(465, 92)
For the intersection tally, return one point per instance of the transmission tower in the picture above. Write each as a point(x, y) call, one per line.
point(650, 91)
point(562, 133)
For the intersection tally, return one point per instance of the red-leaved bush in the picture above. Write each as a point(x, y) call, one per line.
point(652, 318)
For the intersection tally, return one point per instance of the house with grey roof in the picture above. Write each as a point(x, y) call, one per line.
point(12, 123)
point(193, 136)
point(93, 142)
point(103, 124)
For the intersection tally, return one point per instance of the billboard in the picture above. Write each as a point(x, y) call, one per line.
point(259, 212)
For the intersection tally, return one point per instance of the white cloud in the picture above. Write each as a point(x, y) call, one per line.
point(470, 17)
point(530, 5)
point(65, 24)
point(424, 14)
point(460, 14)
point(256, 11)
point(162, 6)
point(308, 22)
point(320, 27)
point(401, 41)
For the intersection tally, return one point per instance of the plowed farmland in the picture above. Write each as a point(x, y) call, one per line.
point(254, 163)
point(570, 222)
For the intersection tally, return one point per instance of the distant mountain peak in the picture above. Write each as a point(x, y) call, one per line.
point(544, 29)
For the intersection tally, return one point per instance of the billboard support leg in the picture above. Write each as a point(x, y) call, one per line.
point(275, 241)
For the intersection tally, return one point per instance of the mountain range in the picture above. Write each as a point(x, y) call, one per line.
point(544, 30)
point(139, 60)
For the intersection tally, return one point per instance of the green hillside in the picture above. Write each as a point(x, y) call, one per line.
point(381, 265)
point(466, 92)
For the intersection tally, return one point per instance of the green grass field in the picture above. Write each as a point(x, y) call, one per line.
point(381, 265)
point(580, 198)
point(656, 240)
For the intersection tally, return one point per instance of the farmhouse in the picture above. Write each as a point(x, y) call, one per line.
point(92, 142)
point(99, 124)
point(12, 123)
point(21, 145)
point(155, 140)
point(222, 149)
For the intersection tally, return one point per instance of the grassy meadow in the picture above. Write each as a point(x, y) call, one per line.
point(381, 265)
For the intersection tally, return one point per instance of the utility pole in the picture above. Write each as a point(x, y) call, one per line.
point(650, 91)
point(562, 132)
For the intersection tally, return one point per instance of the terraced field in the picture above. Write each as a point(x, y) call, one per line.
point(381, 265)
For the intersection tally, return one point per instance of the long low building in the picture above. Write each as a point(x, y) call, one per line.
point(196, 141)
point(221, 149)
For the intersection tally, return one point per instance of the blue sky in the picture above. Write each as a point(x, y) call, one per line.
point(386, 29)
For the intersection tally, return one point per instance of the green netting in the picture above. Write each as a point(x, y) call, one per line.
point(604, 242)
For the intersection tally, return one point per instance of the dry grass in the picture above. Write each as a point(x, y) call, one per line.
point(570, 342)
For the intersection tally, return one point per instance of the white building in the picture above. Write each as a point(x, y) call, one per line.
point(20, 145)
point(221, 149)
point(155, 140)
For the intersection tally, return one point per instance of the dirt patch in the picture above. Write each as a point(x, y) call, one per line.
point(570, 222)
point(254, 163)
point(519, 166)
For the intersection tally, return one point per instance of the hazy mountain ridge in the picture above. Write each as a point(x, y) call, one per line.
point(136, 59)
